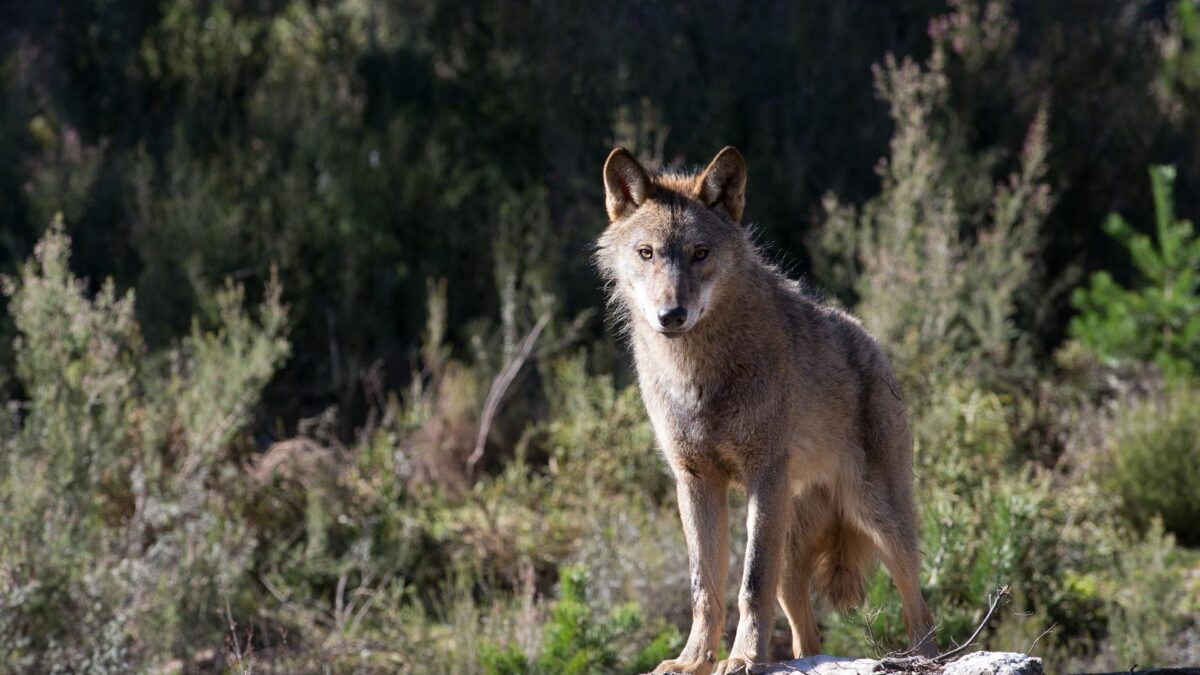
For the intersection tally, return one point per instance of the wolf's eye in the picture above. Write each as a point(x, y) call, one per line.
point(700, 253)
point(646, 252)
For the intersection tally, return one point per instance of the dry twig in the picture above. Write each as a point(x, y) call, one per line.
point(500, 385)
point(905, 663)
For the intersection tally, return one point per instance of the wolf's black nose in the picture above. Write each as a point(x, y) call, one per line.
point(672, 318)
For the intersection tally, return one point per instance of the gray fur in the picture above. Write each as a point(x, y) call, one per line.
point(768, 387)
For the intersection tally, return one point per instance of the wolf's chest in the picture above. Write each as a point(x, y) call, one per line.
point(695, 413)
point(705, 404)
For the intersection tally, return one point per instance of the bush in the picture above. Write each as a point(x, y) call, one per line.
point(120, 542)
point(585, 498)
point(941, 259)
point(1154, 463)
point(576, 641)
point(1146, 600)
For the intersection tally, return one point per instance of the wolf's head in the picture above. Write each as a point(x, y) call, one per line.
point(674, 244)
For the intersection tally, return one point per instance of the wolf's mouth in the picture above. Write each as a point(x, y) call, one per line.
point(676, 332)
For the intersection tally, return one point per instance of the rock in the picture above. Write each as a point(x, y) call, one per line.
point(975, 663)
point(994, 663)
point(824, 665)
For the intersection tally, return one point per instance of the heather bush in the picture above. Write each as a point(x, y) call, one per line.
point(1153, 465)
point(120, 541)
point(377, 532)
point(941, 260)
point(1147, 600)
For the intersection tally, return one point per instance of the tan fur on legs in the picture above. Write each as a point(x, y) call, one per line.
point(704, 510)
point(893, 531)
point(811, 514)
point(766, 534)
point(904, 565)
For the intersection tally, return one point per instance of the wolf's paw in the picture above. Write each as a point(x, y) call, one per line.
point(700, 667)
point(734, 665)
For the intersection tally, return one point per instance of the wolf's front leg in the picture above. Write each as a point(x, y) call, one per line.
point(767, 524)
point(704, 509)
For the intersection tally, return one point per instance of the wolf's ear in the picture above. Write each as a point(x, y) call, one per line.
point(722, 186)
point(626, 184)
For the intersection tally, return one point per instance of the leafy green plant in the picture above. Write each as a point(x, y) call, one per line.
point(1146, 599)
point(121, 536)
point(577, 641)
point(1154, 465)
point(1159, 319)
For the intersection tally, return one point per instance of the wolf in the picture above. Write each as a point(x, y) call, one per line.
point(750, 379)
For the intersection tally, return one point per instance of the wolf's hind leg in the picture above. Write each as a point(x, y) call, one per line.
point(810, 519)
point(893, 530)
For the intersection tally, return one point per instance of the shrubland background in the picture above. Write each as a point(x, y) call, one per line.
point(266, 264)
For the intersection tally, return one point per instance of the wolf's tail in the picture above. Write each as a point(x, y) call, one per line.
point(839, 566)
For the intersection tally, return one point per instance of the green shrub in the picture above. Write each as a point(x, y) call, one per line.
point(1154, 465)
point(1146, 600)
point(585, 491)
point(598, 437)
point(941, 260)
point(121, 539)
point(1159, 320)
point(577, 641)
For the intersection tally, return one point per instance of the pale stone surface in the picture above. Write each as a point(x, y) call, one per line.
point(975, 663)
point(825, 665)
point(994, 663)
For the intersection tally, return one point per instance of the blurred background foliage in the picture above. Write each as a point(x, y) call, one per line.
point(304, 365)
